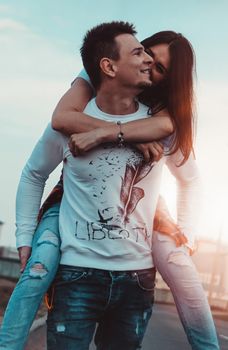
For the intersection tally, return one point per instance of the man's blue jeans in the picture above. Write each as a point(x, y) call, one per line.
point(120, 302)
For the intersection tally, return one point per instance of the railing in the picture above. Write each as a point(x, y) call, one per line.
point(9, 268)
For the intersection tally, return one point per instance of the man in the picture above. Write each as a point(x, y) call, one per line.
point(106, 273)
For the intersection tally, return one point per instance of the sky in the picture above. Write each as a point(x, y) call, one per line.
point(39, 44)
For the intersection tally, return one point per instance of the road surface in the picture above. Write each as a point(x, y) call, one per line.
point(164, 332)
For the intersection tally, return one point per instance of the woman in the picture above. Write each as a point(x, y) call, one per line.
point(171, 90)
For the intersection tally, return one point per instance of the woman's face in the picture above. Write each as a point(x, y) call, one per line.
point(161, 62)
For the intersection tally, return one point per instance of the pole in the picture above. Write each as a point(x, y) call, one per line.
point(215, 265)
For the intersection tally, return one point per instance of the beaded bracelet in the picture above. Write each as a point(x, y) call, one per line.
point(120, 135)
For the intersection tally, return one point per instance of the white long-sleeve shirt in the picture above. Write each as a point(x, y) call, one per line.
point(109, 201)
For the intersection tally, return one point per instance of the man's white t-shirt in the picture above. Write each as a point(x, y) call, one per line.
point(109, 201)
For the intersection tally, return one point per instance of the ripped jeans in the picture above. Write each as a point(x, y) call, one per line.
point(33, 283)
point(179, 272)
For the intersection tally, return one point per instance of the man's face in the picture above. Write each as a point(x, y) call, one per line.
point(134, 65)
point(160, 62)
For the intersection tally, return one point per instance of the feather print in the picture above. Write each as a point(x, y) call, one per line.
point(129, 194)
point(143, 171)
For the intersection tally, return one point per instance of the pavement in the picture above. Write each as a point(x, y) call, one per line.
point(164, 332)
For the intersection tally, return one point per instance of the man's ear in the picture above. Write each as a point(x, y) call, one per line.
point(108, 67)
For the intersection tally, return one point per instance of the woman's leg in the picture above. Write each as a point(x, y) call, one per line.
point(178, 271)
point(33, 283)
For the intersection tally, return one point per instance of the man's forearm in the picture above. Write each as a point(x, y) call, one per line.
point(46, 156)
point(29, 194)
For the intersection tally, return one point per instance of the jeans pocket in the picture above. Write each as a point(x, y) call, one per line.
point(146, 279)
point(62, 279)
point(66, 277)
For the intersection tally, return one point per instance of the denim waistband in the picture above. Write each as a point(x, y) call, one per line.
point(71, 268)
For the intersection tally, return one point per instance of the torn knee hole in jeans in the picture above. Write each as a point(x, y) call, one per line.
point(179, 258)
point(60, 327)
point(162, 237)
point(48, 237)
point(38, 270)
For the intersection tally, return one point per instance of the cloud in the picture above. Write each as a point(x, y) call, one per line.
point(5, 9)
point(36, 73)
point(10, 24)
point(26, 54)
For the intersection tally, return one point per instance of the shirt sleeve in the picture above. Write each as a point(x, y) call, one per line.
point(189, 194)
point(46, 156)
point(83, 75)
point(167, 142)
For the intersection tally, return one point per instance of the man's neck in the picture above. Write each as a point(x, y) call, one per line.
point(116, 101)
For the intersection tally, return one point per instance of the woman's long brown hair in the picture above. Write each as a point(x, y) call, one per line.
point(176, 92)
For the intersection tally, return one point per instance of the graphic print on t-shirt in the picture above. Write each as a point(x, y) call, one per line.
point(130, 195)
point(120, 170)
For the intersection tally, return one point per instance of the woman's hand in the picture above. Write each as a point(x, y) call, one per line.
point(164, 224)
point(151, 150)
point(83, 142)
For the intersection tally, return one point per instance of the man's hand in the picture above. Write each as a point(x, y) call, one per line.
point(83, 142)
point(24, 254)
point(151, 150)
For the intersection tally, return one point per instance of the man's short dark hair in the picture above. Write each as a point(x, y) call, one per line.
point(100, 42)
